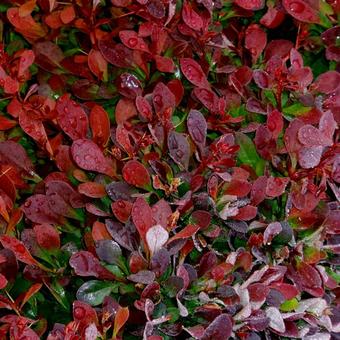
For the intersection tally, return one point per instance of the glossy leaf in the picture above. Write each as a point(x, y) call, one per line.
point(100, 125)
point(72, 118)
point(18, 248)
point(88, 156)
point(193, 72)
point(142, 216)
point(136, 174)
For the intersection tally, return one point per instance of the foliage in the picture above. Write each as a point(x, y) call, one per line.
point(169, 169)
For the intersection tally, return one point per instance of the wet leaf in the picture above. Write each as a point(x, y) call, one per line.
point(142, 216)
point(100, 125)
point(136, 174)
point(179, 148)
point(197, 127)
point(193, 72)
point(88, 156)
point(18, 248)
point(72, 118)
point(93, 292)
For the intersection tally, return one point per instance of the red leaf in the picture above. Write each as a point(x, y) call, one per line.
point(252, 5)
point(161, 212)
point(97, 64)
point(88, 156)
point(164, 64)
point(128, 85)
point(144, 108)
point(116, 54)
point(18, 248)
point(122, 210)
point(132, 40)
point(255, 41)
point(179, 148)
point(136, 174)
point(125, 109)
point(142, 217)
point(15, 154)
point(37, 209)
point(6, 124)
point(47, 236)
point(163, 99)
point(3, 281)
point(273, 18)
point(208, 98)
point(71, 118)
point(67, 14)
point(99, 232)
point(271, 231)
point(258, 190)
point(176, 87)
point(310, 157)
point(25, 25)
point(121, 318)
point(276, 186)
point(26, 60)
point(92, 189)
point(191, 18)
point(287, 290)
point(197, 127)
point(31, 291)
point(219, 329)
point(262, 79)
point(246, 213)
point(100, 125)
point(84, 315)
point(258, 292)
point(327, 82)
point(85, 264)
point(310, 136)
point(193, 72)
point(301, 11)
point(122, 138)
point(186, 232)
point(275, 123)
point(35, 129)
point(327, 126)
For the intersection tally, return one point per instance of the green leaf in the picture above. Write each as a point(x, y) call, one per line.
point(248, 155)
point(93, 292)
point(289, 305)
point(296, 110)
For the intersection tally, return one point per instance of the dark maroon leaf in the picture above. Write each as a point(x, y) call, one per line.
point(144, 276)
point(197, 127)
point(88, 156)
point(193, 72)
point(179, 148)
point(219, 329)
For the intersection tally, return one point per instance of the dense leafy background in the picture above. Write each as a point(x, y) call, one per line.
point(169, 169)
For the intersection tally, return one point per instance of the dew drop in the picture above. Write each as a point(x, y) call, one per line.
point(27, 204)
point(133, 42)
point(179, 153)
point(121, 204)
point(79, 313)
point(296, 7)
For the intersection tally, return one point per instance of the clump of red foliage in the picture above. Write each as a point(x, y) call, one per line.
point(169, 169)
